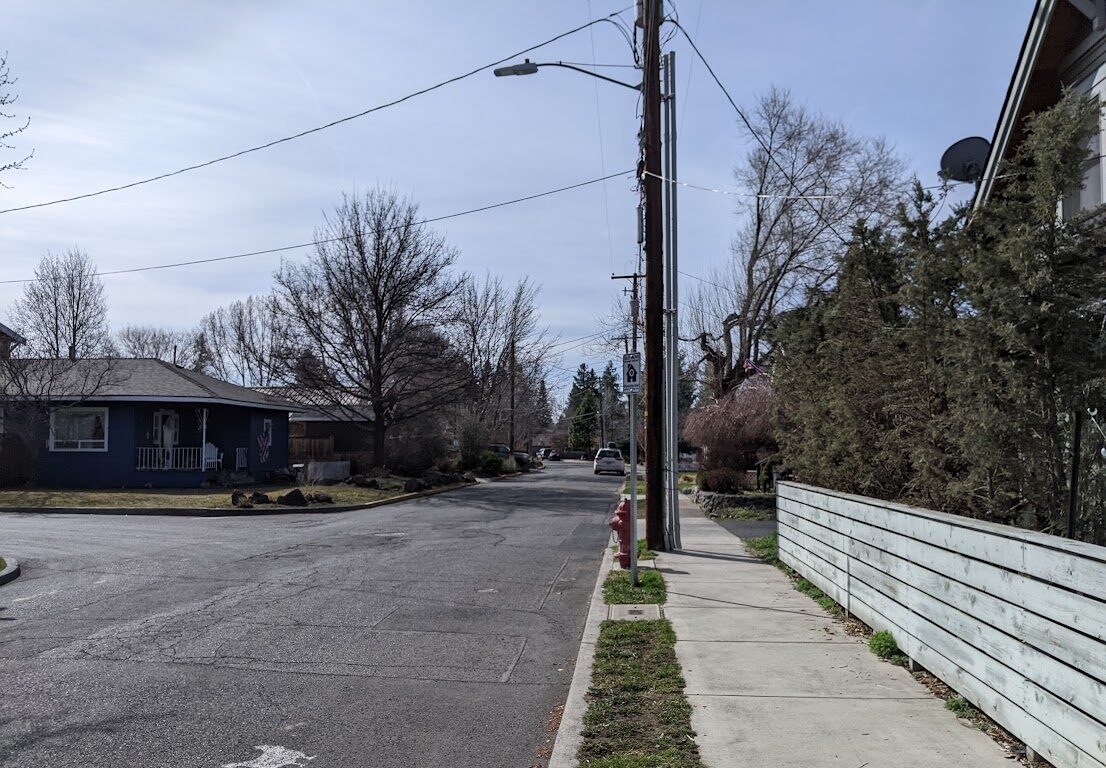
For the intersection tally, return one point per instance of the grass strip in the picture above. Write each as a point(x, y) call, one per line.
point(617, 589)
point(637, 714)
point(643, 551)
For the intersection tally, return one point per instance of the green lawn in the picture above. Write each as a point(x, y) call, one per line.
point(617, 589)
point(200, 498)
point(637, 714)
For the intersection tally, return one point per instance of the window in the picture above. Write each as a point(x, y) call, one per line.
point(609, 453)
point(79, 429)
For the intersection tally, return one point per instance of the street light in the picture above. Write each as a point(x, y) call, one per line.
point(531, 68)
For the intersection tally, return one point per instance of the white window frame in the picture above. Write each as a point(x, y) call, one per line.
point(103, 411)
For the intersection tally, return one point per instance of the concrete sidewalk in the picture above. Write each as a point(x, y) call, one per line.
point(774, 681)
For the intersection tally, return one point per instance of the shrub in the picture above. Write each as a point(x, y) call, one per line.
point(720, 480)
point(883, 645)
point(490, 464)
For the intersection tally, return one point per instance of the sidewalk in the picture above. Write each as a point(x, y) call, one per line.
point(774, 681)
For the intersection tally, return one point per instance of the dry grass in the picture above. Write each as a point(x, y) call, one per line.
point(200, 498)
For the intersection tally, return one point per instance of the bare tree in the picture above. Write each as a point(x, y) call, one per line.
point(372, 305)
point(505, 351)
point(808, 183)
point(63, 311)
point(243, 341)
point(6, 134)
point(182, 348)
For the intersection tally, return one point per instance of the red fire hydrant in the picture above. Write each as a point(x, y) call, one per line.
point(620, 524)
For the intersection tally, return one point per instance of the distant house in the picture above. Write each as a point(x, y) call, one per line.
point(1064, 49)
point(126, 423)
point(322, 429)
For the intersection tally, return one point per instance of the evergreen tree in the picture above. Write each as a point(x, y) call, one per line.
point(1033, 350)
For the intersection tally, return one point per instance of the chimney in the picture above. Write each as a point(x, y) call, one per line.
point(72, 352)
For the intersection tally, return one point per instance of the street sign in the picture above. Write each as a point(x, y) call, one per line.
point(631, 373)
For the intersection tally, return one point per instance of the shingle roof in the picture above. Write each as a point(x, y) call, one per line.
point(138, 379)
point(320, 406)
point(15, 337)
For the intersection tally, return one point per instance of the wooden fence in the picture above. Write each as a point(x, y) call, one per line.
point(1013, 620)
point(304, 449)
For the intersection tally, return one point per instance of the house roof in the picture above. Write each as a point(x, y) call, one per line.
point(141, 379)
point(317, 406)
point(15, 337)
point(1057, 30)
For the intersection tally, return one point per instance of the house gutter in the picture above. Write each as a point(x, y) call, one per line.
point(1015, 95)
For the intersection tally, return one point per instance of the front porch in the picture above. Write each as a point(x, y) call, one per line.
point(190, 459)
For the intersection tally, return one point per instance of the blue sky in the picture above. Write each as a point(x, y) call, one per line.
point(119, 90)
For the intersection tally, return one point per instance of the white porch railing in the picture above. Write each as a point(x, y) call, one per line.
point(181, 459)
point(241, 458)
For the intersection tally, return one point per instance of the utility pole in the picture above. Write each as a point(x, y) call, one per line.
point(650, 22)
point(671, 312)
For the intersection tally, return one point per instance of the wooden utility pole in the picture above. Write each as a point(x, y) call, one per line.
point(654, 274)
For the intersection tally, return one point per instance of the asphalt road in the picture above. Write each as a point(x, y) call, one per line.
point(436, 632)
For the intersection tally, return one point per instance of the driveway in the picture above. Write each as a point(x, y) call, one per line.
point(436, 632)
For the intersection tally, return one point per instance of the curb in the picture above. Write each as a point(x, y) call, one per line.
point(227, 511)
point(570, 732)
point(11, 570)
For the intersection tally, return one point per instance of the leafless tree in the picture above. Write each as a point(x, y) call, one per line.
point(7, 133)
point(505, 351)
point(182, 348)
point(63, 311)
point(243, 341)
point(373, 305)
point(807, 185)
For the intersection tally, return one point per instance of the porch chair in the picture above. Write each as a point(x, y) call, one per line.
point(213, 457)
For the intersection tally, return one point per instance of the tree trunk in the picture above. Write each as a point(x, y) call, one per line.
point(378, 444)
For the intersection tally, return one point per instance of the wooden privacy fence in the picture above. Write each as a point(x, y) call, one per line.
point(1014, 620)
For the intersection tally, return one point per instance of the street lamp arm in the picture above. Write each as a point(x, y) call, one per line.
point(593, 74)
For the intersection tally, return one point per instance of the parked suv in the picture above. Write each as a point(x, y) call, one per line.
point(609, 460)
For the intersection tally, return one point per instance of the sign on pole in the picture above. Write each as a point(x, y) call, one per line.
point(631, 373)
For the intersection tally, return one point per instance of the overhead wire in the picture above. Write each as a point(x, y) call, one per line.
point(602, 153)
point(318, 128)
point(313, 243)
point(752, 131)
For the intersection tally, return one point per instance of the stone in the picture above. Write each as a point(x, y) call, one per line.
point(414, 485)
point(319, 497)
point(237, 497)
point(363, 481)
point(469, 477)
point(259, 498)
point(294, 498)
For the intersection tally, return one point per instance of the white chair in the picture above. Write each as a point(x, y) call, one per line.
point(213, 457)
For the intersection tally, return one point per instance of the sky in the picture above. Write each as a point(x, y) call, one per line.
point(119, 91)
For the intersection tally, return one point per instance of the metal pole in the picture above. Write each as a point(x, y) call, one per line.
point(633, 444)
point(666, 140)
point(674, 282)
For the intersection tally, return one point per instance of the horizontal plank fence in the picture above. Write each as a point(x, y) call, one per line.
point(1013, 620)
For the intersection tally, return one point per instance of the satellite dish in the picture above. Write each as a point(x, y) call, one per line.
point(965, 160)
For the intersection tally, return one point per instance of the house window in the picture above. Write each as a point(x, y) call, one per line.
point(79, 429)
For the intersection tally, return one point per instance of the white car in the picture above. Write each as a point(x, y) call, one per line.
point(609, 460)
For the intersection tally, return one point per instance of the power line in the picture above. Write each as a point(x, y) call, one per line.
point(752, 131)
point(338, 239)
point(602, 152)
point(741, 194)
point(319, 128)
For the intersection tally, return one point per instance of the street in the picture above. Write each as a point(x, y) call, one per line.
point(436, 632)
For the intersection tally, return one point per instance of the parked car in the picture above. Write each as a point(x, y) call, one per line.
point(609, 460)
point(499, 449)
point(552, 455)
point(522, 459)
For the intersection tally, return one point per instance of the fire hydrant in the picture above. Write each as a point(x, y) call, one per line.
point(620, 524)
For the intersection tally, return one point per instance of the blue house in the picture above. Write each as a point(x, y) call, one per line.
point(133, 423)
